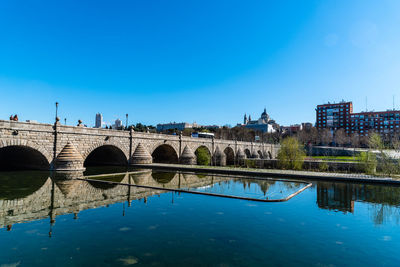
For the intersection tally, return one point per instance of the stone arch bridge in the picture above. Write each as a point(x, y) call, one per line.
point(60, 147)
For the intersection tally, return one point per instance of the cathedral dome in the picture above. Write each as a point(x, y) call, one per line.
point(264, 113)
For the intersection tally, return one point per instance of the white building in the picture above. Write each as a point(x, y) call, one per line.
point(263, 124)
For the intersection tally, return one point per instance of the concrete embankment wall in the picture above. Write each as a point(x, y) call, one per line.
point(345, 151)
point(332, 166)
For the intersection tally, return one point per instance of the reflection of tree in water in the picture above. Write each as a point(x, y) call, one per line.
point(111, 178)
point(383, 201)
point(15, 185)
point(382, 213)
point(163, 177)
point(265, 185)
point(386, 201)
point(201, 175)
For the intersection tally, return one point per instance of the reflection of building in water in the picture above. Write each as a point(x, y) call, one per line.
point(335, 196)
point(341, 196)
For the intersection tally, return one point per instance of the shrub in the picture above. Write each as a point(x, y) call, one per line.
point(250, 163)
point(368, 162)
point(203, 157)
point(323, 166)
point(291, 155)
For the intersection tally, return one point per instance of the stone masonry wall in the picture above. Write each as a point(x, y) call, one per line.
point(41, 137)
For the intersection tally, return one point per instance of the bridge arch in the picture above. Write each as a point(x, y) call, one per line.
point(230, 156)
point(165, 153)
point(85, 152)
point(106, 155)
point(260, 154)
point(248, 153)
point(203, 155)
point(23, 157)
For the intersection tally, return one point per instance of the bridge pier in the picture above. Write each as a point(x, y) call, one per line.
point(188, 157)
point(141, 155)
point(240, 157)
point(219, 157)
point(69, 159)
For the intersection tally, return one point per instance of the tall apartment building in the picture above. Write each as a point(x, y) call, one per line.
point(383, 122)
point(99, 120)
point(340, 116)
point(334, 116)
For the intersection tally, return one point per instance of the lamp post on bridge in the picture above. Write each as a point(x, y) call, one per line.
point(126, 124)
point(56, 110)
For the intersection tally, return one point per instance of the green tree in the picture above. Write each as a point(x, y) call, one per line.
point(368, 162)
point(375, 141)
point(291, 155)
point(386, 164)
point(203, 156)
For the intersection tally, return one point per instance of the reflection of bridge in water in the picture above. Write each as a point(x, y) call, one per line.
point(63, 196)
point(70, 196)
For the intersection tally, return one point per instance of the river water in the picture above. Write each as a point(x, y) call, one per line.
point(48, 221)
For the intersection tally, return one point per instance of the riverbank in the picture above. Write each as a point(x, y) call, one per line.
point(303, 175)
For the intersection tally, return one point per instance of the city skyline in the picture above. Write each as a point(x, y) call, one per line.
point(179, 66)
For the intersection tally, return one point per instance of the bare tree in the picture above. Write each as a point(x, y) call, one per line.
point(324, 136)
point(355, 140)
point(341, 137)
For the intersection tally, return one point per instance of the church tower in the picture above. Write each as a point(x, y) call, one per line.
point(265, 116)
point(245, 119)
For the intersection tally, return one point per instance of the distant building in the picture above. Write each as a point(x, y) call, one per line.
point(263, 124)
point(334, 116)
point(210, 127)
point(180, 126)
point(295, 128)
point(118, 124)
point(306, 126)
point(99, 120)
point(292, 129)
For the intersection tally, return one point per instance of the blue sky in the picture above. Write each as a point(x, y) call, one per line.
point(203, 61)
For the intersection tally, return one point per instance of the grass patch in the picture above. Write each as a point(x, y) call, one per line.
point(336, 158)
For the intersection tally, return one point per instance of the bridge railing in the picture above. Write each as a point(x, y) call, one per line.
point(67, 129)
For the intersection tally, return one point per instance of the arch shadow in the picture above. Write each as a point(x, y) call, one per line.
point(230, 156)
point(260, 154)
point(106, 155)
point(22, 158)
point(165, 154)
point(247, 152)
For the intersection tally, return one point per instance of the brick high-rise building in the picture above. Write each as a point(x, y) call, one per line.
point(340, 116)
point(383, 122)
point(334, 116)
